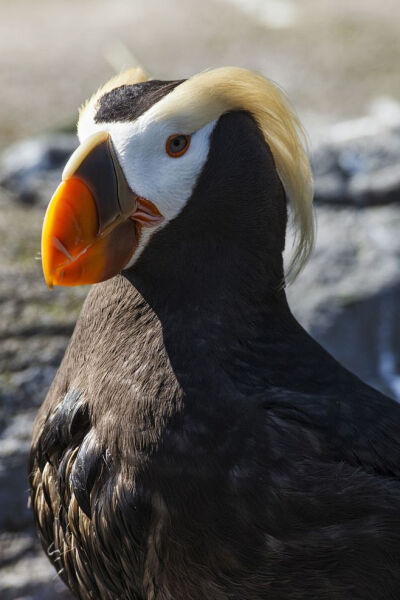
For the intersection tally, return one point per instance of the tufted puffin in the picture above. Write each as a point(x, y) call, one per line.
point(196, 443)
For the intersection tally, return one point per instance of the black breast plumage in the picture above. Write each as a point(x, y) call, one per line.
point(195, 493)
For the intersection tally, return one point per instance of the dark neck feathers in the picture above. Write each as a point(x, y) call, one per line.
point(203, 310)
point(214, 275)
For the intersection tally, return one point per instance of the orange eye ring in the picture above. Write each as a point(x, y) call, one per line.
point(177, 144)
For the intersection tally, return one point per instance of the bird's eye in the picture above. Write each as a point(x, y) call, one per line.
point(177, 145)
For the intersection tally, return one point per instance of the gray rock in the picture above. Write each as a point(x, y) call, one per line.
point(359, 161)
point(348, 296)
point(33, 381)
point(34, 329)
point(26, 574)
point(15, 516)
point(32, 169)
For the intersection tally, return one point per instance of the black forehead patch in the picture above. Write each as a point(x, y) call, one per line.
point(128, 102)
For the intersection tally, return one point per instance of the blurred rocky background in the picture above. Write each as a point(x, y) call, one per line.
point(338, 61)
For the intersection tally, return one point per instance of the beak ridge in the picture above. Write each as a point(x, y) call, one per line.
point(87, 235)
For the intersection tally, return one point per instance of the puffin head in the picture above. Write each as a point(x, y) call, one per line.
point(146, 146)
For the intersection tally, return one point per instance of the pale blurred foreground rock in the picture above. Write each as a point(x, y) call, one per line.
point(35, 326)
point(358, 162)
point(348, 296)
point(32, 169)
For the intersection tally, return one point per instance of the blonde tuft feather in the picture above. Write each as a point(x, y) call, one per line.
point(206, 96)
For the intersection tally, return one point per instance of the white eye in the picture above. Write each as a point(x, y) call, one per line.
point(177, 144)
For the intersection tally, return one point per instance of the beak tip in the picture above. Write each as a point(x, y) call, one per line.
point(49, 280)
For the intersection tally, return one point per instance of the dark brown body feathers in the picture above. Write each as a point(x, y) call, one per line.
point(196, 442)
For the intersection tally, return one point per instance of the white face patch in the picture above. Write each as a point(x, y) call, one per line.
point(166, 181)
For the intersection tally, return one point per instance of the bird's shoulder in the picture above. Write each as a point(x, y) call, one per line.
point(360, 426)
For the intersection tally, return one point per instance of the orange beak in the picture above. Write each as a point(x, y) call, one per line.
point(93, 222)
